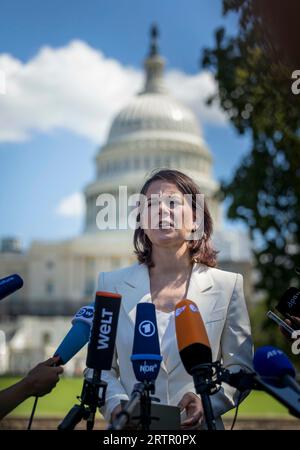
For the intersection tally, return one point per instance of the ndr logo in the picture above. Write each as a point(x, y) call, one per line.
point(145, 368)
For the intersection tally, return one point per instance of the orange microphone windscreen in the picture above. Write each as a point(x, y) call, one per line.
point(192, 340)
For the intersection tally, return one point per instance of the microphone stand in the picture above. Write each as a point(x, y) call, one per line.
point(92, 397)
point(208, 378)
point(141, 392)
point(204, 386)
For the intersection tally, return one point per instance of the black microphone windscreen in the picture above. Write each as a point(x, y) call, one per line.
point(104, 329)
point(289, 303)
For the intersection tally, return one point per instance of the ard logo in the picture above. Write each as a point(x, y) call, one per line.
point(147, 328)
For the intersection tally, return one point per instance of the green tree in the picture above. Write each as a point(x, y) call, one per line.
point(254, 88)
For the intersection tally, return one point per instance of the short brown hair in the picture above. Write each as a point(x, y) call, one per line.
point(201, 250)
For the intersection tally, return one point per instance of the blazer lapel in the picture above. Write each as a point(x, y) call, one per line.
point(199, 288)
point(136, 289)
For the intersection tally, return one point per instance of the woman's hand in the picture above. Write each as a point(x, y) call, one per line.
point(115, 412)
point(194, 411)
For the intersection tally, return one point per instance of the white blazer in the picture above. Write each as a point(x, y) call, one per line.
point(220, 299)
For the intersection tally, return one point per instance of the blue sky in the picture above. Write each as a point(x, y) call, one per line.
point(45, 159)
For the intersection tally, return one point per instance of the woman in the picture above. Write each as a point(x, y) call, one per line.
point(172, 266)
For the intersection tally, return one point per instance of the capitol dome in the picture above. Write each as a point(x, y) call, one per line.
point(155, 115)
point(152, 131)
point(153, 112)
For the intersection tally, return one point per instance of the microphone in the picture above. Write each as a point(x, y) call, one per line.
point(104, 316)
point(289, 303)
point(195, 353)
point(77, 336)
point(271, 362)
point(192, 340)
point(9, 285)
point(146, 360)
point(146, 357)
point(80, 333)
point(273, 374)
point(276, 376)
point(104, 329)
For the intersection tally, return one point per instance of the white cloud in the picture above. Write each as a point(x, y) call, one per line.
point(72, 205)
point(193, 90)
point(79, 89)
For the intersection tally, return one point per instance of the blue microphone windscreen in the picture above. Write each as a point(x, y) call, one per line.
point(74, 341)
point(146, 357)
point(146, 334)
point(270, 361)
point(9, 285)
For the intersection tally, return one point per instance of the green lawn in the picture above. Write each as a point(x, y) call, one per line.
point(63, 397)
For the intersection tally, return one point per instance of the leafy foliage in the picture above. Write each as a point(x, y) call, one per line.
point(265, 190)
point(254, 89)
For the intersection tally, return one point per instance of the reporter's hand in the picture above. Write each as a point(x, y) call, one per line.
point(43, 377)
point(284, 332)
point(295, 324)
point(194, 411)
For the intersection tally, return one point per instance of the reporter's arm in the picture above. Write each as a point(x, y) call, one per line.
point(39, 381)
point(11, 397)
